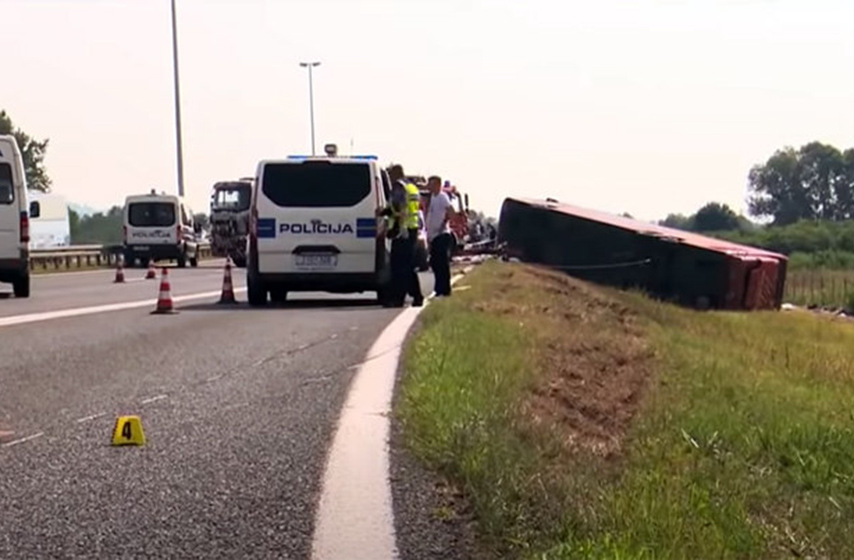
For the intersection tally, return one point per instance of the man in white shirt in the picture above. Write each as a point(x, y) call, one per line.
point(439, 214)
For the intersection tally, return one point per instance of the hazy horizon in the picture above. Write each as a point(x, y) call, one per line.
point(646, 107)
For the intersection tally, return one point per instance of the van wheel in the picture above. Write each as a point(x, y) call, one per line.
point(194, 262)
point(21, 286)
point(182, 260)
point(256, 292)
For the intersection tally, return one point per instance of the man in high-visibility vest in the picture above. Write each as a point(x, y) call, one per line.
point(405, 204)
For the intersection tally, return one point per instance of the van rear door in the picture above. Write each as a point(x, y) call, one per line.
point(152, 222)
point(317, 215)
point(10, 214)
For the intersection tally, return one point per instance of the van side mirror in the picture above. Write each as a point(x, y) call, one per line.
point(197, 227)
point(35, 209)
point(466, 200)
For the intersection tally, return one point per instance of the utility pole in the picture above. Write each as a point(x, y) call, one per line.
point(310, 65)
point(180, 151)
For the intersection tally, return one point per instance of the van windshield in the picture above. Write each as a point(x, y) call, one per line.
point(232, 197)
point(316, 184)
point(7, 190)
point(151, 214)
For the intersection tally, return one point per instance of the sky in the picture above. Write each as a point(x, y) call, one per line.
point(640, 106)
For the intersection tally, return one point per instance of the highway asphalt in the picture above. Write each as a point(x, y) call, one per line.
point(238, 407)
point(67, 290)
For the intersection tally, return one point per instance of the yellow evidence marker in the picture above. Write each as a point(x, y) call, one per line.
point(128, 431)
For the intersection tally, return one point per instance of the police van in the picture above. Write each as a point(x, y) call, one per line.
point(15, 214)
point(159, 227)
point(314, 226)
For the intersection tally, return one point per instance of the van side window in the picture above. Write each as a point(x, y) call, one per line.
point(7, 189)
point(317, 184)
point(184, 219)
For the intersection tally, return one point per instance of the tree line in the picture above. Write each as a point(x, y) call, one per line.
point(32, 151)
point(806, 195)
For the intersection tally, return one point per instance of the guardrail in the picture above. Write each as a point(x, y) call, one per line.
point(86, 256)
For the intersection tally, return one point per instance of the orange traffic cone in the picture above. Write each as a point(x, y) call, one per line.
point(152, 272)
point(164, 300)
point(5, 434)
point(120, 271)
point(227, 295)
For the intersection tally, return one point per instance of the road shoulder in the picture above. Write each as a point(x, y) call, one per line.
point(431, 518)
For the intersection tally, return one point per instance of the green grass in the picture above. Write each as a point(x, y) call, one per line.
point(742, 447)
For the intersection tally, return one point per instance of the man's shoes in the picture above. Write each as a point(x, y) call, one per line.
point(418, 302)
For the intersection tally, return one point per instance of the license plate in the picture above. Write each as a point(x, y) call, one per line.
point(142, 247)
point(316, 261)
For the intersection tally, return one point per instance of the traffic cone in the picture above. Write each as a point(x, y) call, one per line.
point(152, 272)
point(120, 271)
point(227, 295)
point(164, 300)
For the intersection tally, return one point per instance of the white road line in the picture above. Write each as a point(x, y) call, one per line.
point(355, 516)
point(154, 399)
point(23, 440)
point(79, 311)
point(90, 418)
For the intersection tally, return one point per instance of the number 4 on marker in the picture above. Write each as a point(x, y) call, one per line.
point(128, 431)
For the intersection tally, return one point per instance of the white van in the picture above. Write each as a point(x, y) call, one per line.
point(52, 227)
point(314, 226)
point(159, 227)
point(15, 213)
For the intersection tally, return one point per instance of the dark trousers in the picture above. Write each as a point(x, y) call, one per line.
point(404, 277)
point(440, 262)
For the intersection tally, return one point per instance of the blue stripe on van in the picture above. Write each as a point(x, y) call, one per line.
point(266, 228)
point(366, 227)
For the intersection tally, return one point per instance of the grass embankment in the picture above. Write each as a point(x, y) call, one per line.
point(584, 423)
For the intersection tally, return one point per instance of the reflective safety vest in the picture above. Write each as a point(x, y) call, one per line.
point(413, 205)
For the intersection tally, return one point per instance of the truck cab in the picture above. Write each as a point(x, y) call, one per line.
point(229, 219)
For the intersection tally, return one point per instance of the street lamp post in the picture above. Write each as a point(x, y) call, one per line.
point(310, 65)
point(180, 151)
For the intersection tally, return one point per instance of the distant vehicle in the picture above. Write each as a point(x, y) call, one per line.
point(315, 227)
point(52, 228)
point(460, 224)
point(159, 227)
point(229, 219)
point(15, 214)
